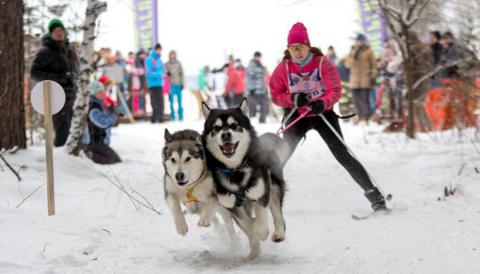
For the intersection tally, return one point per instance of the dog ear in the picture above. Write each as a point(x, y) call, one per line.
point(200, 150)
point(168, 136)
point(244, 107)
point(205, 110)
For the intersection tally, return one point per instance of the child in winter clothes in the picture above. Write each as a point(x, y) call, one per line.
point(309, 83)
point(101, 117)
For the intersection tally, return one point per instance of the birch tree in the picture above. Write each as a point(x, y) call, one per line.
point(80, 108)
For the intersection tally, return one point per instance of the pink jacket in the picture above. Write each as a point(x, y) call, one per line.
point(279, 86)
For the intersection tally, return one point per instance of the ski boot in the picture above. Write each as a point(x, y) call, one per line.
point(376, 199)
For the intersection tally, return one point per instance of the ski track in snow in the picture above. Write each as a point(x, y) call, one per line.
point(97, 229)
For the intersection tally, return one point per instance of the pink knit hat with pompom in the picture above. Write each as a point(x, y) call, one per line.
point(298, 35)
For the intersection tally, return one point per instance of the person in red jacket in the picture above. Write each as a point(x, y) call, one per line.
point(235, 87)
point(307, 82)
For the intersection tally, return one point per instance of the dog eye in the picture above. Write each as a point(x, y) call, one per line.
point(173, 160)
point(217, 128)
point(234, 126)
point(188, 159)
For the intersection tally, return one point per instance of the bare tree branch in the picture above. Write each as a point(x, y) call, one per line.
point(28, 196)
point(124, 190)
point(419, 13)
point(435, 71)
point(11, 168)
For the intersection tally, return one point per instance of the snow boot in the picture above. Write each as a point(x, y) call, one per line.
point(376, 199)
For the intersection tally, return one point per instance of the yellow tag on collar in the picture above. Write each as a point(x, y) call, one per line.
point(190, 197)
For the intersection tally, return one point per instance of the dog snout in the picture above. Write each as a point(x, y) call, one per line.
point(226, 137)
point(180, 176)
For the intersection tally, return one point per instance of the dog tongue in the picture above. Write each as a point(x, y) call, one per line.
point(228, 148)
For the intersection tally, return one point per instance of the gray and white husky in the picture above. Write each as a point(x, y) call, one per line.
point(248, 176)
point(188, 181)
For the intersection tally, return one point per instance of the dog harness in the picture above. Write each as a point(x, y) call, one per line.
point(239, 195)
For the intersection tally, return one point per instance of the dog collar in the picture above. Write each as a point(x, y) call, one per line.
point(230, 170)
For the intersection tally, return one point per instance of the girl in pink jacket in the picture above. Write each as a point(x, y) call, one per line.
point(309, 83)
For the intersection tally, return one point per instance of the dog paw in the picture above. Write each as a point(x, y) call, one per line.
point(182, 227)
point(204, 222)
point(278, 237)
point(254, 253)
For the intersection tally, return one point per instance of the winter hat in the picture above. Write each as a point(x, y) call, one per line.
point(361, 37)
point(94, 87)
point(298, 35)
point(104, 80)
point(55, 23)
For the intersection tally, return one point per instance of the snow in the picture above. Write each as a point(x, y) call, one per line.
point(97, 229)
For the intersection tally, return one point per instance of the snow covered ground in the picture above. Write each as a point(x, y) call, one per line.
point(97, 228)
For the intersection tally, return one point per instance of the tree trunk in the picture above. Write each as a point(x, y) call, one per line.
point(80, 108)
point(12, 119)
point(410, 128)
point(408, 71)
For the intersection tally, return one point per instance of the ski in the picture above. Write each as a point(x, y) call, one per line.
point(374, 213)
point(371, 214)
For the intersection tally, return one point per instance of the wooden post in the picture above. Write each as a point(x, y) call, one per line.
point(49, 146)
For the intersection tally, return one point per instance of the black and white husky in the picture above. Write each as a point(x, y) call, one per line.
point(248, 176)
point(188, 181)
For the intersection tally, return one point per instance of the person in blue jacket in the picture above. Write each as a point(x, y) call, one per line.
point(154, 74)
point(101, 117)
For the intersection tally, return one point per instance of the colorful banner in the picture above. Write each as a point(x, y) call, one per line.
point(146, 26)
point(373, 25)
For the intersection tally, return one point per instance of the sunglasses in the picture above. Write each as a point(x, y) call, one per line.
point(297, 47)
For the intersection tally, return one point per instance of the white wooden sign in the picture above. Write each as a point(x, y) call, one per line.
point(48, 98)
point(57, 97)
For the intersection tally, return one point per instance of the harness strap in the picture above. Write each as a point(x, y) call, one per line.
point(240, 195)
point(339, 137)
point(284, 128)
point(348, 116)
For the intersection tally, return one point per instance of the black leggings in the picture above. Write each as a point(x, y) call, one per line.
point(156, 100)
point(62, 121)
point(295, 133)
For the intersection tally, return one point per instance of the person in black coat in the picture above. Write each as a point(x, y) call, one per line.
point(435, 46)
point(56, 60)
